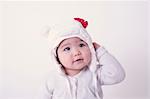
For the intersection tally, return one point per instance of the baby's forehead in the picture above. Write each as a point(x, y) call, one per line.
point(71, 40)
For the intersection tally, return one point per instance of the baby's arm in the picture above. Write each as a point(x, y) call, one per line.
point(111, 71)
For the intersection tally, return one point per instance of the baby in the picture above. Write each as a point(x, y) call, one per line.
point(82, 66)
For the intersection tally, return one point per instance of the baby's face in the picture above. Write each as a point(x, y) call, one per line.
point(74, 54)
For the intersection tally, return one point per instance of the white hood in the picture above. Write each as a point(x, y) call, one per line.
point(58, 33)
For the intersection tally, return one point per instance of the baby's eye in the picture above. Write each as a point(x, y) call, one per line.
point(67, 49)
point(82, 45)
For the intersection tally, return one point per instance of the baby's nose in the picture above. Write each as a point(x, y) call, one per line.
point(76, 52)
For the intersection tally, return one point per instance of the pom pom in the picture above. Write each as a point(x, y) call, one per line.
point(82, 21)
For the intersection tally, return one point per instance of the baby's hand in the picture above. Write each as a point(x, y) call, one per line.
point(96, 46)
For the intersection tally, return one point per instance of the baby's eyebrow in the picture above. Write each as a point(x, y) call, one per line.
point(67, 44)
point(83, 41)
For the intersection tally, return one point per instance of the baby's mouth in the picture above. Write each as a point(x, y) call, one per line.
point(78, 60)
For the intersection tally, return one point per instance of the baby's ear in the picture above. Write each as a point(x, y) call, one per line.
point(96, 46)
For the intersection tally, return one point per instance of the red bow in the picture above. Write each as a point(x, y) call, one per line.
point(82, 21)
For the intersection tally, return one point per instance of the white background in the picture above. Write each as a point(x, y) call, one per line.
point(120, 26)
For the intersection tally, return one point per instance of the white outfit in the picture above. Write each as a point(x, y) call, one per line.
point(82, 85)
point(104, 69)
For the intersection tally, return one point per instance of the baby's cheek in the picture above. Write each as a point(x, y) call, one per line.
point(88, 53)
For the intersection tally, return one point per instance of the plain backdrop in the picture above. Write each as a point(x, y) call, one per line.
point(122, 27)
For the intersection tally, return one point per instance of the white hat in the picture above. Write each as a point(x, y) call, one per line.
point(74, 28)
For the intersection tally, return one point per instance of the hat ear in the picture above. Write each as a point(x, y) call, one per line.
point(82, 21)
point(45, 31)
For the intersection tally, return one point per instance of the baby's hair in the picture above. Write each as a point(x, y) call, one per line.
point(57, 53)
point(57, 59)
point(57, 56)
